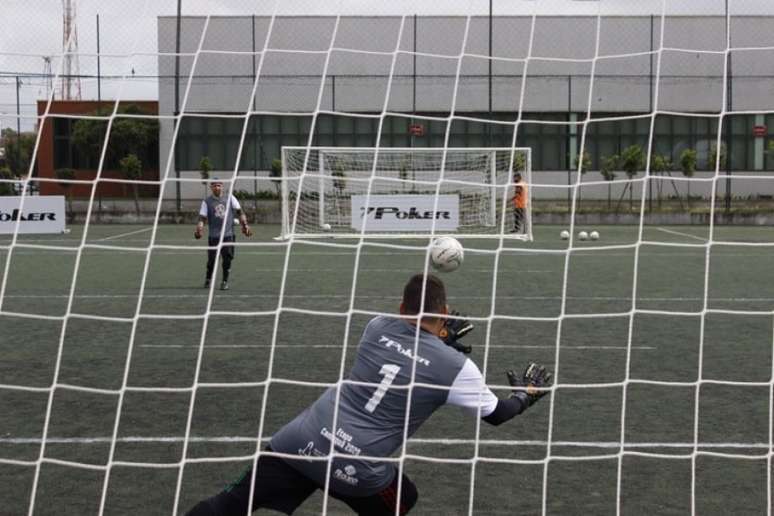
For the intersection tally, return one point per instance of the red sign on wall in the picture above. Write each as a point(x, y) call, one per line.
point(760, 130)
point(416, 130)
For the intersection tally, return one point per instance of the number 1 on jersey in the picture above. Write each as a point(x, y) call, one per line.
point(390, 371)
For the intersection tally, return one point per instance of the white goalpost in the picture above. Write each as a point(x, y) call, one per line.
point(393, 192)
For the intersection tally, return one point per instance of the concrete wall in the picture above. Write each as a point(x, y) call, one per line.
point(690, 69)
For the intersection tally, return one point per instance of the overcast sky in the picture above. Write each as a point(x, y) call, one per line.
point(32, 29)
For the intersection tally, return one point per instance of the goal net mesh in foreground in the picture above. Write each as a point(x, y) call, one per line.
point(660, 341)
point(397, 192)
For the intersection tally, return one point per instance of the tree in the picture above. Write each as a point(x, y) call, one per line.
point(608, 167)
point(688, 167)
point(131, 167)
point(583, 164)
point(712, 158)
point(660, 164)
point(65, 175)
point(205, 167)
point(6, 188)
point(18, 151)
point(128, 135)
point(519, 162)
point(632, 161)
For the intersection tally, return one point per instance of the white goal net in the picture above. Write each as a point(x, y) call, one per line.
point(404, 192)
point(132, 384)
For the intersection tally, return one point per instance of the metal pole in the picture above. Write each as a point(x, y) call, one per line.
point(414, 84)
point(650, 56)
point(255, 149)
point(99, 69)
point(18, 127)
point(569, 142)
point(99, 106)
point(177, 101)
point(650, 106)
point(489, 125)
point(729, 103)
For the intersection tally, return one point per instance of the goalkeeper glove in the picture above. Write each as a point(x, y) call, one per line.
point(454, 329)
point(533, 383)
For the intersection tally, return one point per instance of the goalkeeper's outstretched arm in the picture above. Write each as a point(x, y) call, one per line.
point(530, 386)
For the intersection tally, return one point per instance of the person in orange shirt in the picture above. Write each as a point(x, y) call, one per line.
point(519, 203)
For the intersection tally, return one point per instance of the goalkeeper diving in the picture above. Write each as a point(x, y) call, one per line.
point(423, 340)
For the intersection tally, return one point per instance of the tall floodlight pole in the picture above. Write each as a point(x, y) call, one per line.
point(71, 81)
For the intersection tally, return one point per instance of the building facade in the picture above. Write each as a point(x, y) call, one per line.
point(57, 150)
point(246, 86)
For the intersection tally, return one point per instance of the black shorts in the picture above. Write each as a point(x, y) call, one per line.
point(280, 487)
point(226, 250)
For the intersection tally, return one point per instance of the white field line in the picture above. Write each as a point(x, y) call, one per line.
point(680, 233)
point(338, 296)
point(125, 234)
point(445, 442)
point(335, 346)
point(245, 251)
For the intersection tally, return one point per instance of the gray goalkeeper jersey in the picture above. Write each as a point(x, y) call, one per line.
point(371, 418)
point(215, 209)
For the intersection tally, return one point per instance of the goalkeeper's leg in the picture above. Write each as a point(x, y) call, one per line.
point(277, 486)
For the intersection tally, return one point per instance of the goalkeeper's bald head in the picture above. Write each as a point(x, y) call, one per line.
point(434, 292)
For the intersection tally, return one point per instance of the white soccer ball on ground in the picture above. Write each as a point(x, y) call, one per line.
point(583, 235)
point(446, 254)
point(564, 235)
point(594, 235)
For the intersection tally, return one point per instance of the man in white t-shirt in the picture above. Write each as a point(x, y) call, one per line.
point(394, 358)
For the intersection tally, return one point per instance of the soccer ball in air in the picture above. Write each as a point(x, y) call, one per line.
point(583, 235)
point(446, 254)
point(594, 235)
point(326, 227)
point(564, 235)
